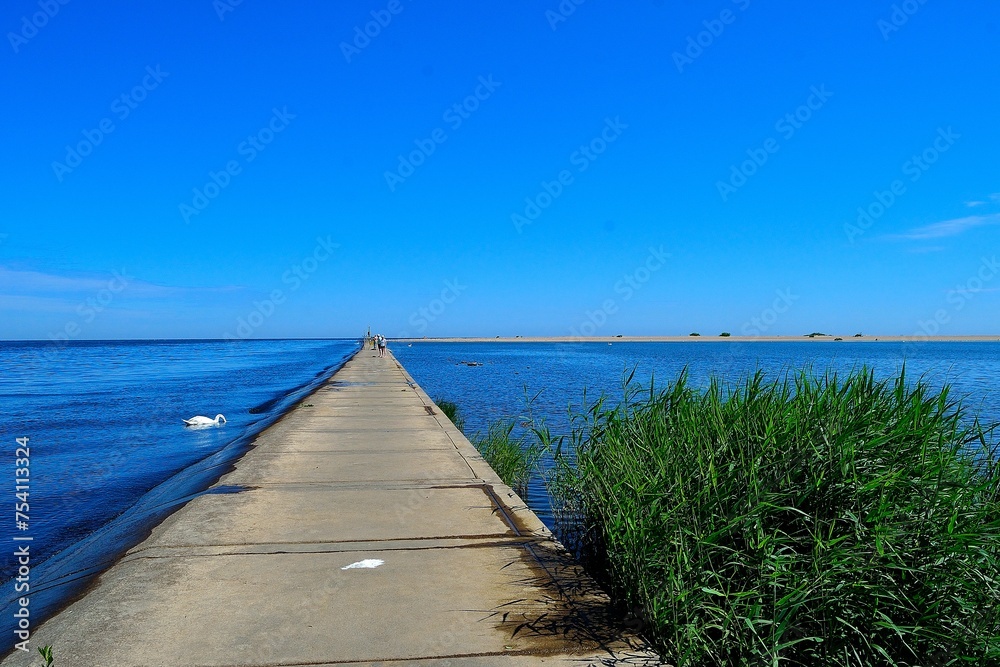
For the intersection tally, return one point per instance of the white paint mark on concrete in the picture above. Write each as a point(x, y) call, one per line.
point(370, 564)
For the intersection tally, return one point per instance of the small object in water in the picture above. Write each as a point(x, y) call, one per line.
point(369, 564)
point(204, 421)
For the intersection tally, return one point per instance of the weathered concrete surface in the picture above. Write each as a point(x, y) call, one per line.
point(367, 468)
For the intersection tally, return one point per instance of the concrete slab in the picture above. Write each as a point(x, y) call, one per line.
point(337, 401)
point(362, 409)
point(368, 466)
point(296, 514)
point(376, 421)
point(272, 609)
point(263, 548)
point(315, 439)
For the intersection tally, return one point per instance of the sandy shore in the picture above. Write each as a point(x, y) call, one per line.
point(710, 339)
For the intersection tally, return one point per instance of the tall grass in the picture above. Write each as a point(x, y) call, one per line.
point(451, 411)
point(806, 521)
point(513, 458)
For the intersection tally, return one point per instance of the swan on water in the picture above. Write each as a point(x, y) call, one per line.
point(204, 421)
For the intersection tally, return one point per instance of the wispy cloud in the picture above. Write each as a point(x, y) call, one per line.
point(36, 282)
point(28, 282)
point(35, 304)
point(975, 203)
point(940, 230)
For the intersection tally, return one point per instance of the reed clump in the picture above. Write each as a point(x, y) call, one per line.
point(513, 457)
point(452, 412)
point(803, 521)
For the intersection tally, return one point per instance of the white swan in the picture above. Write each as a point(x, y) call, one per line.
point(204, 421)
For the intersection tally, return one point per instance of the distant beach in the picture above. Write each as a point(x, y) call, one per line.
point(718, 339)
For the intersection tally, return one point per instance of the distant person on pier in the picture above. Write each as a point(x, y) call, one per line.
point(381, 345)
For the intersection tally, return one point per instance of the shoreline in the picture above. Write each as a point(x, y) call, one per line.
point(705, 339)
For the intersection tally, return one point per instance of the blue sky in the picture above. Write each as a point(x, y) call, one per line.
point(208, 169)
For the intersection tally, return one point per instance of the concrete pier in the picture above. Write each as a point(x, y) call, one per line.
point(364, 530)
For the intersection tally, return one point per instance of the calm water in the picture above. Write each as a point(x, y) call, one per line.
point(109, 456)
point(561, 372)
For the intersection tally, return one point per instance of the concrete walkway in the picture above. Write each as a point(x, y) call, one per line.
point(366, 469)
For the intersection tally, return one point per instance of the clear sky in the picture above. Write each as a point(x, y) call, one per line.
point(249, 168)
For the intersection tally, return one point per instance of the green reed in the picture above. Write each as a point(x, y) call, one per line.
point(513, 458)
point(804, 521)
point(451, 411)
